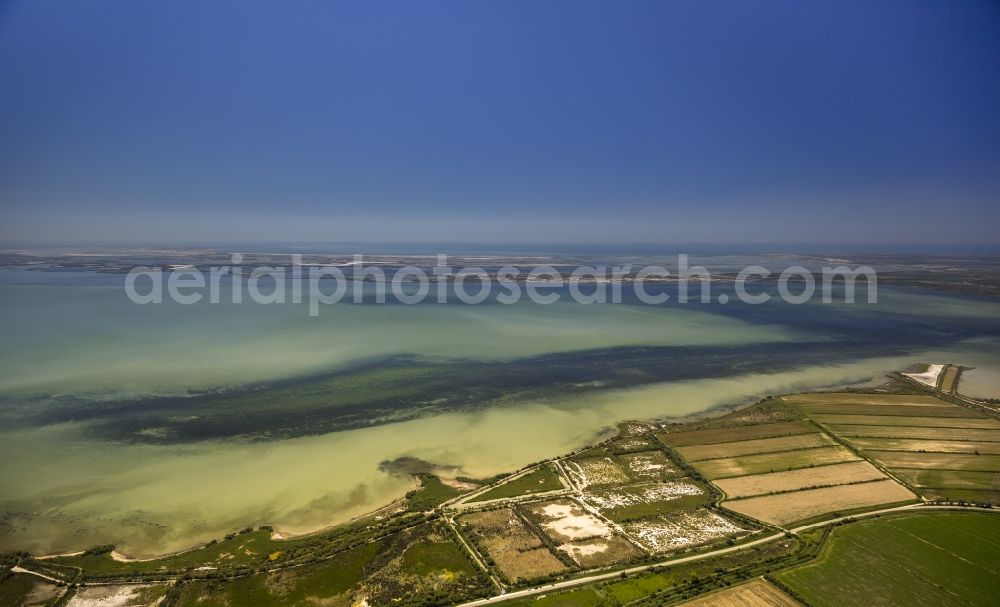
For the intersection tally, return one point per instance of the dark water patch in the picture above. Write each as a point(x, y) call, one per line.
point(409, 466)
point(406, 387)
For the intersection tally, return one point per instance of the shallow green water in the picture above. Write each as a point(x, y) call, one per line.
point(70, 346)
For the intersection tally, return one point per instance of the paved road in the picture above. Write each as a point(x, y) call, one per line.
point(563, 585)
point(613, 574)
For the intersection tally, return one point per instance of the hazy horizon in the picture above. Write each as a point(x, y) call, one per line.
point(499, 247)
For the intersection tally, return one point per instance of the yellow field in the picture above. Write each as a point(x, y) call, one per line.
point(944, 461)
point(917, 444)
point(945, 450)
point(747, 447)
point(900, 420)
point(786, 508)
point(863, 399)
point(942, 410)
point(903, 406)
point(757, 593)
point(735, 433)
point(968, 434)
point(779, 474)
point(835, 474)
point(773, 462)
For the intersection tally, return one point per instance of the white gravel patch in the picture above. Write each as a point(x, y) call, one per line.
point(643, 494)
point(666, 534)
point(578, 550)
point(572, 522)
point(928, 377)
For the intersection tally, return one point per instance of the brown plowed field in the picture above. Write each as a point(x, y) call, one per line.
point(899, 420)
point(773, 462)
point(735, 433)
point(786, 508)
point(757, 593)
point(969, 434)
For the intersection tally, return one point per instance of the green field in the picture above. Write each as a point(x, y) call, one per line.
point(957, 479)
point(974, 496)
point(934, 559)
point(539, 480)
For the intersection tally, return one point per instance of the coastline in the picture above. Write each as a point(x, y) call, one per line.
point(545, 430)
point(599, 436)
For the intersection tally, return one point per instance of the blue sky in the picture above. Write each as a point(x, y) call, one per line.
point(669, 121)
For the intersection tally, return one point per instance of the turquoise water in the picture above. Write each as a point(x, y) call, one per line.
point(89, 381)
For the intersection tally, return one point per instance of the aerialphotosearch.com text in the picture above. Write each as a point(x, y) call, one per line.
point(355, 282)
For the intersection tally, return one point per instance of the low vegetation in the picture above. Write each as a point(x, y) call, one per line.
point(421, 566)
point(540, 480)
point(17, 589)
point(432, 493)
point(510, 545)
